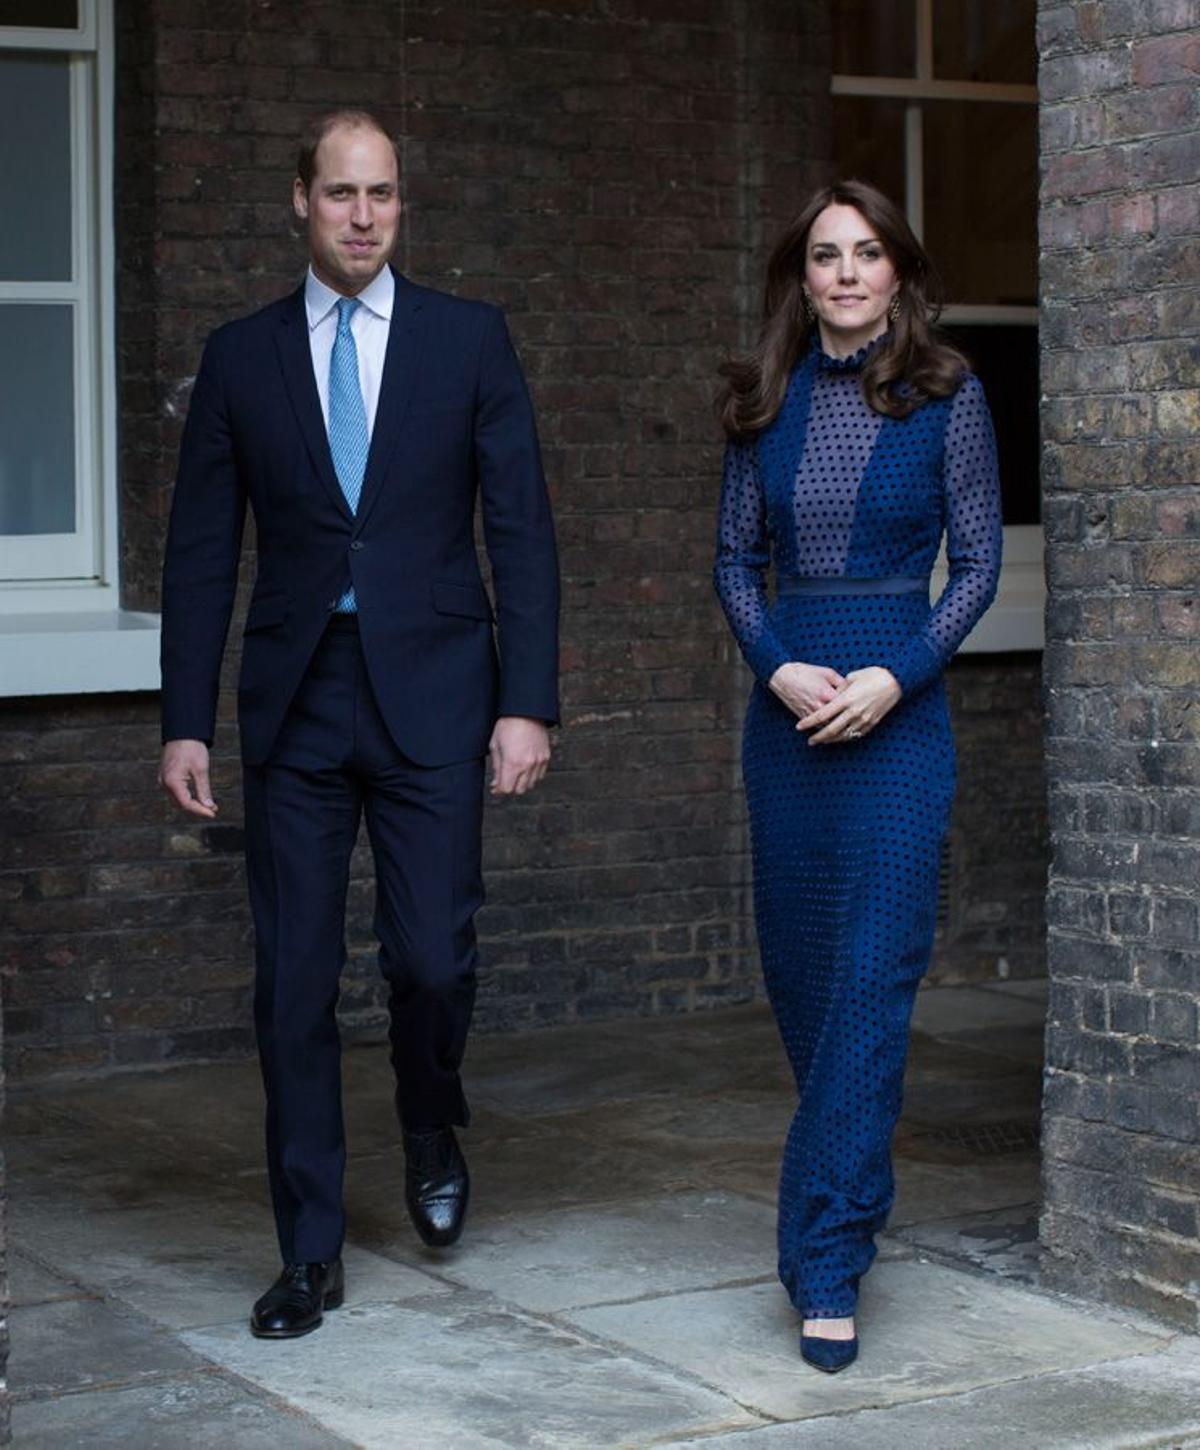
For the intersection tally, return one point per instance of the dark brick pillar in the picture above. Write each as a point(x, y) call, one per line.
point(5, 1427)
point(1120, 226)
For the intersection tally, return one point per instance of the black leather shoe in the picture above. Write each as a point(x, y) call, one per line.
point(436, 1185)
point(295, 1302)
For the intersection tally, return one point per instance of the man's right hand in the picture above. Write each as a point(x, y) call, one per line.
point(183, 774)
point(805, 688)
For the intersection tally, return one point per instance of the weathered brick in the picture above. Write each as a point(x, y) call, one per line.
point(1121, 672)
point(1129, 1012)
point(1073, 174)
point(1177, 413)
point(1160, 59)
point(1142, 113)
point(1128, 915)
point(1173, 1019)
point(1167, 15)
point(1084, 73)
point(1165, 364)
point(1129, 1107)
point(1176, 209)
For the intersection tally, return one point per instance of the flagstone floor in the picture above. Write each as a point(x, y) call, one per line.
point(616, 1283)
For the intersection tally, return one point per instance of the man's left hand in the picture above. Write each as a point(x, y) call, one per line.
point(520, 752)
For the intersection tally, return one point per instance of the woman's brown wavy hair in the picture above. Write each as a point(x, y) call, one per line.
point(912, 364)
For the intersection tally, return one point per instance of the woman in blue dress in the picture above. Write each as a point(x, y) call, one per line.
point(856, 437)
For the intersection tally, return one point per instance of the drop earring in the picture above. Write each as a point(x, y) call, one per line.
point(894, 307)
point(810, 312)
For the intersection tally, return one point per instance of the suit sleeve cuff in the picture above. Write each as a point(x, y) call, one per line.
point(544, 708)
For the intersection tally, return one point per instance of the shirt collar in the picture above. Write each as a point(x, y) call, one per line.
point(319, 300)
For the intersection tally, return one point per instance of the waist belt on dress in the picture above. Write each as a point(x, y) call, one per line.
point(816, 584)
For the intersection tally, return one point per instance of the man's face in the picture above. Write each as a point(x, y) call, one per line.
point(352, 208)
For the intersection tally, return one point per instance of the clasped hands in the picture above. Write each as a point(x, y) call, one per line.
point(838, 708)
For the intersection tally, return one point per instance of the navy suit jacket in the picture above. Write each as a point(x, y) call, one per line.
point(453, 423)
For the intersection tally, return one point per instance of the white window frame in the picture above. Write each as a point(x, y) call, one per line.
point(62, 630)
point(1017, 619)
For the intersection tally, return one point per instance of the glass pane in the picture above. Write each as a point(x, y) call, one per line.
point(37, 418)
point(35, 165)
point(979, 40)
point(874, 37)
point(981, 220)
point(1006, 360)
point(868, 142)
point(48, 14)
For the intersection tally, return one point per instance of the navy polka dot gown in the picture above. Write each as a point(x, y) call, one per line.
point(849, 507)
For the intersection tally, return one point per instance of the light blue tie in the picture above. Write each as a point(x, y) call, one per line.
point(349, 439)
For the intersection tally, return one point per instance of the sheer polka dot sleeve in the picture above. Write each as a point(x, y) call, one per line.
point(974, 538)
point(743, 554)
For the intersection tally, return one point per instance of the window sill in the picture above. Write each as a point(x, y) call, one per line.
point(1016, 620)
point(78, 652)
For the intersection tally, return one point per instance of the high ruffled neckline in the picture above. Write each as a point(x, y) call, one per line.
point(828, 363)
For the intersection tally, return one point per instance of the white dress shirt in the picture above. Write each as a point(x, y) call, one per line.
point(369, 324)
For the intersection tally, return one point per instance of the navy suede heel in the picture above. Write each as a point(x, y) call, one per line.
point(829, 1355)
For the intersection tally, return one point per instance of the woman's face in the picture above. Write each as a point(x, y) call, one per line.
point(849, 279)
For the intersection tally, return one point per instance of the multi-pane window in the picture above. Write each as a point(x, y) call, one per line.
point(62, 630)
point(935, 102)
point(52, 473)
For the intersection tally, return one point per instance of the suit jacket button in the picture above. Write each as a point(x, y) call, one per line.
point(357, 544)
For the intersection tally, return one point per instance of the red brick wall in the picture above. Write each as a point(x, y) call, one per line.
point(610, 174)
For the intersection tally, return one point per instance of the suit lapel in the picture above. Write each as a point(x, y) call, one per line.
point(400, 365)
point(295, 357)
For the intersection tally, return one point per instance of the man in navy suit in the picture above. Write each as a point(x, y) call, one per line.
point(361, 418)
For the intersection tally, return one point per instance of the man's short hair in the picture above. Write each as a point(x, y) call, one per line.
point(320, 127)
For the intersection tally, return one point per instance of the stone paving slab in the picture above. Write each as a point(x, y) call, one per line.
point(89, 1170)
point(466, 1373)
point(1125, 1404)
point(732, 1140)
point(200, 1264)
point(927, 1330)
point(210, 1114)
point(202, 1412)
point(558, 1167)
point(736, 1118)
point(650, 1246)
point(31, 1283)
point(632, 1161)
point(951, 1082)
point(1001, 1241)
point(950, 1011)
point(1017, 1042)
point(933, 1191)
point(581, 1067)
point(1033, 989)
point(79, 1344)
